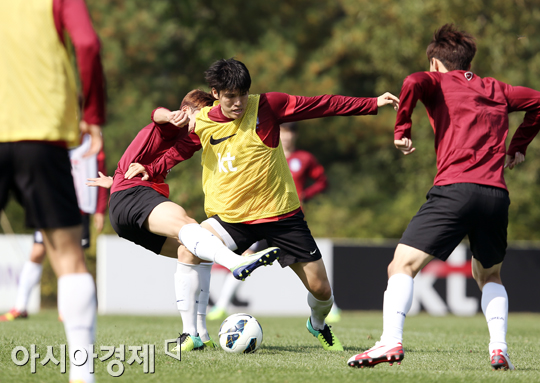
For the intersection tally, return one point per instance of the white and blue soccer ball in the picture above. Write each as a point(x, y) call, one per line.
point(240, 334)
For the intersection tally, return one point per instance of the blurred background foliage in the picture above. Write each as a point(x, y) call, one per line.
point(155, 52)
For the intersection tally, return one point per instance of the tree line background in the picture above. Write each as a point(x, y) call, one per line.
point(155, 52)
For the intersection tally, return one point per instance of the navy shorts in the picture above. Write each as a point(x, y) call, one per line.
point(458, 210)
point(39, 176)
point(291, 235)
point(128, 209)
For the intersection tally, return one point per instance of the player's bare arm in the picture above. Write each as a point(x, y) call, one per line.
point(405, 145)
point(177, 118)
point(102, 181)
point(512, 161)
point(388, 99)
point(96, 138)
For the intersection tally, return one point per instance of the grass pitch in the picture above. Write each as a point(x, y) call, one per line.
point(447, 349)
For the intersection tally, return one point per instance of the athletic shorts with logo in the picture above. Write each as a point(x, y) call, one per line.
point(85, 240)
point(39, 176)
point(458, 210)
point(291, 235)
point(128, 209)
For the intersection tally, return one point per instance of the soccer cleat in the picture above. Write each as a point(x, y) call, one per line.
point(216, 313)
point(254, 261)
point(334, 316)
point(501, 361)
point(327, 338)
point(210, 343)
point(378, 354)
point(12, 315)
point(188, 343)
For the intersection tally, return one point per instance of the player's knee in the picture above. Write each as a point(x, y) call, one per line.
point(322, 291)
point(185, 256)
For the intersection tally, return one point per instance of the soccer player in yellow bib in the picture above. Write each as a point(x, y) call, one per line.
point(249, 190)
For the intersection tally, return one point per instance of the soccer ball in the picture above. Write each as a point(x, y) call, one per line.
point(240, 333)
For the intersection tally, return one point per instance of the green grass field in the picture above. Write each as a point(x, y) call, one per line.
point(447, 349)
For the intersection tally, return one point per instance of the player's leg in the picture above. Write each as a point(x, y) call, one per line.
point(170, 220)
point(29, 277)
point(301, 254)
point(231, 237)
point(51, 205)
point(488, 240)
point(434, 231)
point(76, 292)
point(397, 301)
point(495, 308)
point(205, 269)
point(192, 284)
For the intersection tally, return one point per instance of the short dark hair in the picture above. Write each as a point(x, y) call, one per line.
point(454, 48)
point(197, 99)
point(229, 75)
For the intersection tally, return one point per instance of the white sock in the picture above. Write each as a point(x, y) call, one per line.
point(30, 277)
point(207, 246)
point(230, 286)
point(204, 297)
point(319, 310)
point(495, 307)
point(187, 287)
point(77, 303)
point(397, 303)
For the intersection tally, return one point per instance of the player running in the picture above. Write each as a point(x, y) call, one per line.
point(249, 190)
point(141, 212)
point(469, 116)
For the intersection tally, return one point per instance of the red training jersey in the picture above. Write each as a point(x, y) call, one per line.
point(469, 116)
point(304, 166)
point(152, 142)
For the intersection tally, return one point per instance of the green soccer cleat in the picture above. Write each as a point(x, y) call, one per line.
point(210, 344)
point(254, 261)
point(327, 338)
point(216, 313)
point(188, 343)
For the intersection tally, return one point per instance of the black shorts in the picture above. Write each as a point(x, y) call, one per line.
point(39, 176)
point(128, 209)
point(85, 241)
point(291, 235)
point(458, 210)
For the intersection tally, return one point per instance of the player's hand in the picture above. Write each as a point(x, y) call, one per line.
point(178, 118)
point(102, 181)
point(405, 145)
point(96, 139)
point(388, 99)
point(99, 221)
point(512, 161)
point(136, 169)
